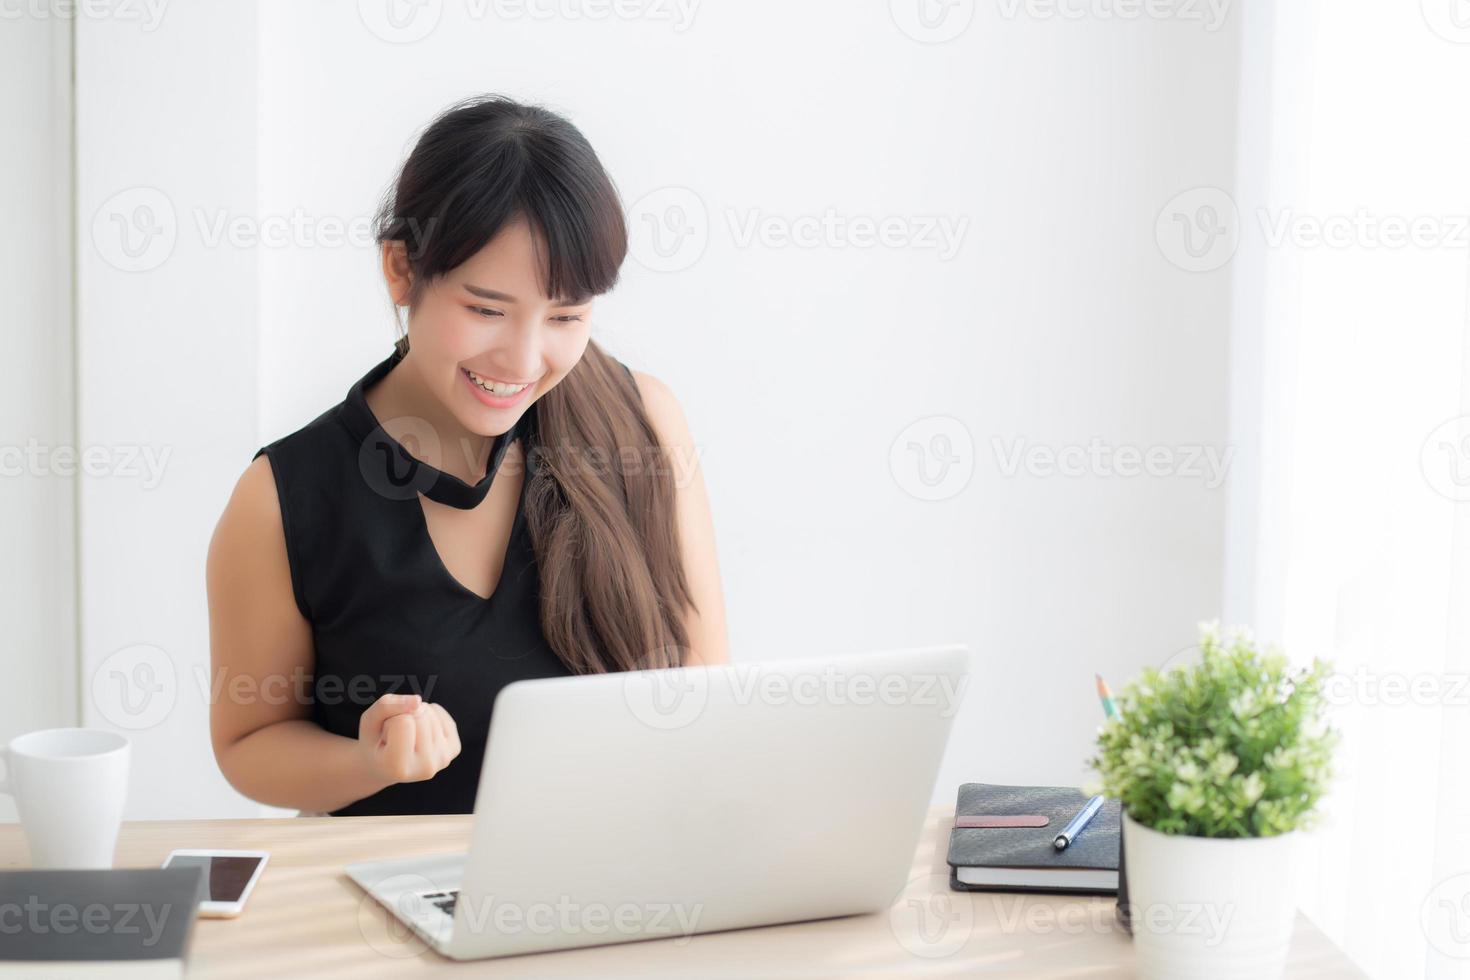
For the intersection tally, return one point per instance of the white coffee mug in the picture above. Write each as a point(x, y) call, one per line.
point(69, 786)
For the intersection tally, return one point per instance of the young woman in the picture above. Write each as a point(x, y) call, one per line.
point(498, 499)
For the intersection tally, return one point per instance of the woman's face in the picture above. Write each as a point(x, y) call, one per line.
point(485, 339)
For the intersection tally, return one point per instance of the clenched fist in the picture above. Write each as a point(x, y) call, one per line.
point(407, 739)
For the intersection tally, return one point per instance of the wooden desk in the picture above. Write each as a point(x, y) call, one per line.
point(307, 919)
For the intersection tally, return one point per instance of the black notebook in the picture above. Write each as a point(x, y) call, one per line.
point(1023, 858)
point(124, 922)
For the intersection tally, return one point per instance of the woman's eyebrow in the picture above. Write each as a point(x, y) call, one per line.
point(484, 293)
point(495, 294)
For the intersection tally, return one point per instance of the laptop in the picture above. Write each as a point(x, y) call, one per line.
point(664, 803)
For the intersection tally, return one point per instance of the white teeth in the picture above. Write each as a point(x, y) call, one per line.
point(494, 387)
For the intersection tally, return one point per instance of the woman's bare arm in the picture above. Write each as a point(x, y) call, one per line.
point(262, 661)
point(708, 639)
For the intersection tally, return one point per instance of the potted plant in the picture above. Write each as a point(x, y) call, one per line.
point(1217, 766)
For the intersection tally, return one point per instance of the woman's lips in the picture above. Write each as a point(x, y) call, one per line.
point(489, 399)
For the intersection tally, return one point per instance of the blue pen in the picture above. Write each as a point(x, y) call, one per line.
point(1069, 833)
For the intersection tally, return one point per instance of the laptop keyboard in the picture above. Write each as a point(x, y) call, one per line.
point(444, 901)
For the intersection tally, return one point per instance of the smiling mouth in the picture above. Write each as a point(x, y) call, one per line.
point(497, 388)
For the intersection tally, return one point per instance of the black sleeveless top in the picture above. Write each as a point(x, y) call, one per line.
point(386, 615)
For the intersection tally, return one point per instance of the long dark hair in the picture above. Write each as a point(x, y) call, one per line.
point(613, 587)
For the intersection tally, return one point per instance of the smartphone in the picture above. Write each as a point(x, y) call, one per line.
point(228, 878)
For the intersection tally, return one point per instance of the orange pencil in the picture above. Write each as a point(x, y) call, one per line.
point(1110, 708)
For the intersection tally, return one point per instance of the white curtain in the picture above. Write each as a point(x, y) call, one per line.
point(1349, 528)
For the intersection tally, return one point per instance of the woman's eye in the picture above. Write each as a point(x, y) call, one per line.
point(567, 318)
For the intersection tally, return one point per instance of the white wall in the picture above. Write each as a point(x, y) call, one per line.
point(37, 579)
point(166, 123)
point(1354, 361)
point(1058, 320)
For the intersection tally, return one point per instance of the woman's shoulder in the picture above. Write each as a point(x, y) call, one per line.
point(249, 540)
point(665, 413)
point(284, 497)
point(322, 434)
point(313, 462)
point(257, 492)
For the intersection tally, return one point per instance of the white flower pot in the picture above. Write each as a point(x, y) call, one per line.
point(1205, 908)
